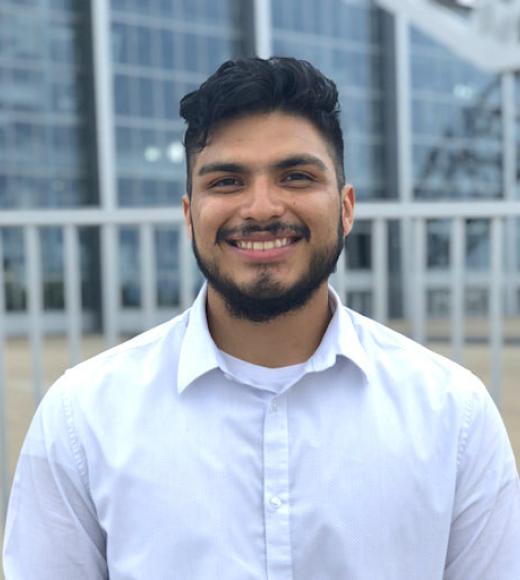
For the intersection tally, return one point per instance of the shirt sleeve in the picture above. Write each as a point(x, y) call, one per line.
point(485, 531)
point(52, 531)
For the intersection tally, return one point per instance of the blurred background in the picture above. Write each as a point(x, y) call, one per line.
point(92, 248)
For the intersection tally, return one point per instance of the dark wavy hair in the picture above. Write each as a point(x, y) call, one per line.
point(254, 85)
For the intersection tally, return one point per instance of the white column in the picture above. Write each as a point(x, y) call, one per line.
point(263, 32)
point(105, 142)
point(403, 143)
point(404, 107)
point(103, 82)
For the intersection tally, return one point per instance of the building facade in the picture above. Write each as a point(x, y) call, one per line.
point(89, 95)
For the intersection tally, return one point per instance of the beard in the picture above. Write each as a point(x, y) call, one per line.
point(265, 298)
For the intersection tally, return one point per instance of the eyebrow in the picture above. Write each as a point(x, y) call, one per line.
point(297, 160)
point(222, 167)
point(287, 163)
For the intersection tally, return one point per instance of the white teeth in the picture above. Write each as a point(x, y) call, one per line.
point(263, 246)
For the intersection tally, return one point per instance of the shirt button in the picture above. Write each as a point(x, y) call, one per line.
point(275, 501)
point(228, 377)
point(274, 405)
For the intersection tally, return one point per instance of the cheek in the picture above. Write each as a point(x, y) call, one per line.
point(328, 219)
point(206, 220)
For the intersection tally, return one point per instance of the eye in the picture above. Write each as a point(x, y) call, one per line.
point(226, 183)
point(298, 178)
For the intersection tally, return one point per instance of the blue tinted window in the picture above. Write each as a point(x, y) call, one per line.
point(123, 140)
point(65, 96)
point(129, 266)
point(191, 52)
point(126, 192)
point(63, 44)
point(120, 43)
point(122, 92)
point(167, 49)
point(165, 7)
point(144, 45)
point(167, 266)
point(174, 191)
point(119, 4)
point(170, 100)
point(26, 90)
point(146, 97)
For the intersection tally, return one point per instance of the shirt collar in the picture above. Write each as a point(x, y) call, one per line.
point(199, 354)
point(340, 339)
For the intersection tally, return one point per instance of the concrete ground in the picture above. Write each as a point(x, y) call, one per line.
point(20, 402)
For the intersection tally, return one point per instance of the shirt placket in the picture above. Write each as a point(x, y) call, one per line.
point(276, 491)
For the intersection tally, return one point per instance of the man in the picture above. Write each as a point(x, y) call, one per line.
point(268, 432)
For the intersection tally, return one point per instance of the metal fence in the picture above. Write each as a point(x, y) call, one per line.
point(415, 276)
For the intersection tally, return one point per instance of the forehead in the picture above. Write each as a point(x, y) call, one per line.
point(264, 138)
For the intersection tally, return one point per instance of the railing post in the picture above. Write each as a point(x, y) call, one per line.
point(34, 303)
point(109, 283)
point(4, 456)
point(509, 172)
point(148, 274)
point(73, 292)
point(340, 276)
point(187, 279)
point(416, 281)
point(380, 269)
point(457, 293)
point(496, 310)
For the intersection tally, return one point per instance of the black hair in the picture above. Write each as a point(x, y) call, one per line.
point(254, 85)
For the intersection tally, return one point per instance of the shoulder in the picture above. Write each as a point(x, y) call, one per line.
point(121, 373)
point(414, 374)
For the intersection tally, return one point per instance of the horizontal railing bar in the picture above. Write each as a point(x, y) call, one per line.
point(364, 210)
point(438, 210)
point(91, 217)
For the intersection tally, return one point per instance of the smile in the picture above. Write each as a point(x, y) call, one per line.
point(262, 246)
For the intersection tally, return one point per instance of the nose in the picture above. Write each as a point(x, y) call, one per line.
point(262, 201)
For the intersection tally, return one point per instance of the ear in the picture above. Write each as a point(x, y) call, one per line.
point(186, 208)
point(348, 201)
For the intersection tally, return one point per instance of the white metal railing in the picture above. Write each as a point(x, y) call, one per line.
point(413, 218)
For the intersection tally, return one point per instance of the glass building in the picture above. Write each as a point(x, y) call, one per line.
point(89, 94)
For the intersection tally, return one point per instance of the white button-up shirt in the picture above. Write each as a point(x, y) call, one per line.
point(376, 460)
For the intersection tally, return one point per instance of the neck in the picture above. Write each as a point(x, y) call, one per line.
point(286, 340)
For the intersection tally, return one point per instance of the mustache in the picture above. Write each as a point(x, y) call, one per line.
point(275, 228)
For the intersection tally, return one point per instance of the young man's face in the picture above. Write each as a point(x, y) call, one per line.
point(265, 217)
